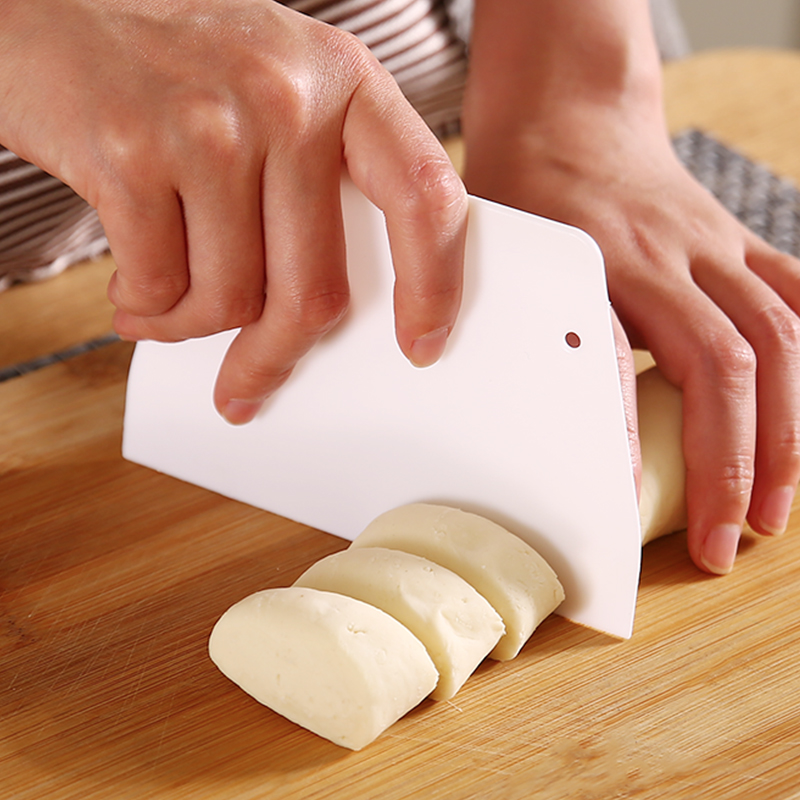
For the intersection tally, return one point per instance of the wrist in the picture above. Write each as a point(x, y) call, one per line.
point(545, 70)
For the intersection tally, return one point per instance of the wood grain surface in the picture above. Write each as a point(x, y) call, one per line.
point(37, 319)
point(111, 577)
point(746, 98)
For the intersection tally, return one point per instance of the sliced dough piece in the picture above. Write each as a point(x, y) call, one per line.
point(339, 667)
point(518, 583)
point(455, 623)
point(662, 503)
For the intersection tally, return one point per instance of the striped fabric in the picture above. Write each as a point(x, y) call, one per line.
point(45, 226)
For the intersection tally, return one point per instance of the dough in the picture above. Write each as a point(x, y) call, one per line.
point(662, 503)
point(455, 623)
point(339, 667)
point(511, 575)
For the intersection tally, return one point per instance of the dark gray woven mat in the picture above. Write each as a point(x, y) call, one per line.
point(766, 203)
point(23, 368)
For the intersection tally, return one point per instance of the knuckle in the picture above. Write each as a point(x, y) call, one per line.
point(216, 129)
point(427, 294)
point(204, 125)
point(228, 309)
point(256, 374)
point(435, 193)
point(150, 295)
point(211, 125)
point(305, 100)
point(217, 316)
point(729, 359)
point(247, 309)
point(301, 99)
point(120, 156)
point(353, 56)
point(735, 479)
point(317, 311)
point(290, 99)
point(786, 446)
point(781, 327)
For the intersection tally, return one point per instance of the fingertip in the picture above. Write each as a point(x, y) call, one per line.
point(718, 551)
point(240, 412)
point(428, 349)
point(774, 511)
point(124, 326)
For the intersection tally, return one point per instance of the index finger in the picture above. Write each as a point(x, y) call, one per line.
point(397, 162)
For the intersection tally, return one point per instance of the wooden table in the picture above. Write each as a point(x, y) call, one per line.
point(111, 577)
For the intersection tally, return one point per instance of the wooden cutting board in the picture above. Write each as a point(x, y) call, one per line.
point(111, 577)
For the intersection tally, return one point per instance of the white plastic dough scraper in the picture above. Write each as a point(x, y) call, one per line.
point(521, 420)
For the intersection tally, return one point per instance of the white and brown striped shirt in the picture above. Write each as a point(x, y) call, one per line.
point(45, 226)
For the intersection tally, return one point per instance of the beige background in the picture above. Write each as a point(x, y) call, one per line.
point(734, 23)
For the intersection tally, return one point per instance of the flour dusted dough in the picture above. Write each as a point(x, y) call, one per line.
point(339, 667)
point(518, 583)
point(455, 623)
point(662, 504)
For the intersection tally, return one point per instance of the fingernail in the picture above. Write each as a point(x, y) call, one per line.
point(239, 412)
point(719, 548)
point(428, 349)
point(775, 510)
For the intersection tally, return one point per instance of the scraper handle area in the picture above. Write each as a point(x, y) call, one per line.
point(514, 422)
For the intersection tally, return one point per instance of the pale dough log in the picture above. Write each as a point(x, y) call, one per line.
point(662, 503)
point(518, 583)
point(454, 622)
point(337, 666)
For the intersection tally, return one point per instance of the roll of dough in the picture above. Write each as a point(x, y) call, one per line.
point(337, 666)
point(518, 583)
point(662, 503)
point(456, 624)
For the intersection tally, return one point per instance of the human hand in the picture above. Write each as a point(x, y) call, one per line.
point(717, 307)
point(211, 137)
point(563, 117)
